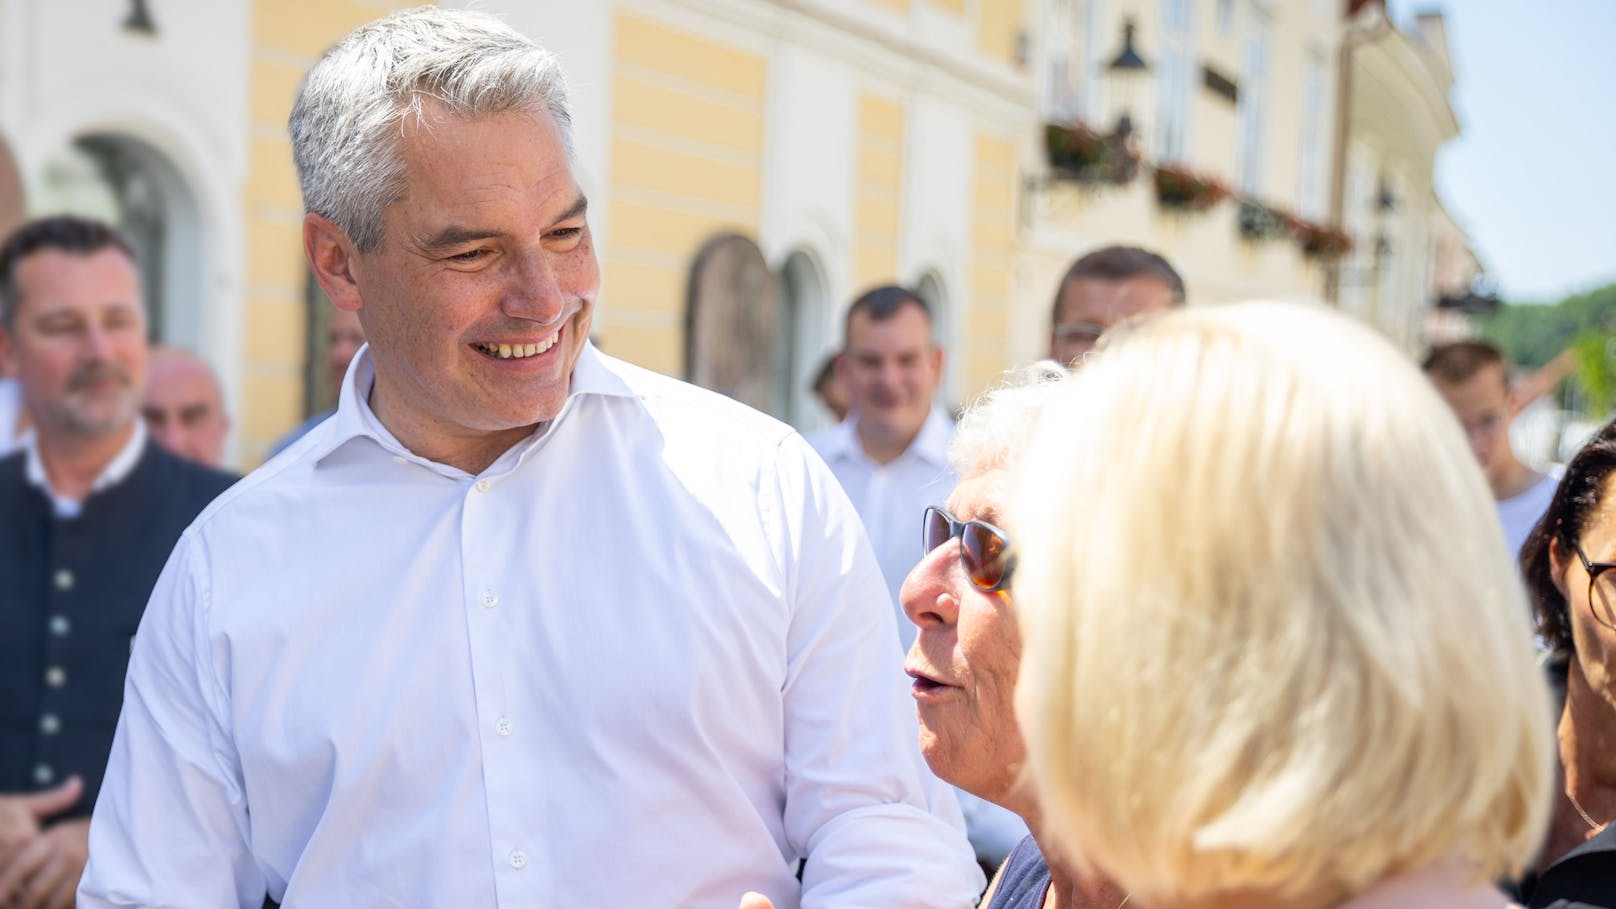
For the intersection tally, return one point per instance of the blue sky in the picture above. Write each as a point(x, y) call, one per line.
point(1532, 176)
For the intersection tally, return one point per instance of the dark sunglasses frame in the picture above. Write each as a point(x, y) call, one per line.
point(971, 551)
point(1595, 570)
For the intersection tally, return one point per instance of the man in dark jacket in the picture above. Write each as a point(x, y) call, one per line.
point(89, 511)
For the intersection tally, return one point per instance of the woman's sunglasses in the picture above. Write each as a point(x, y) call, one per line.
point(984, 549)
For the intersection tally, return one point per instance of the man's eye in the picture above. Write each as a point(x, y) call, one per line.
point(566, 233)
point(470, 255)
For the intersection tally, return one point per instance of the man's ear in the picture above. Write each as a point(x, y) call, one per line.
point(333, 258)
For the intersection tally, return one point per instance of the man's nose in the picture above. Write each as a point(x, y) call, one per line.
point(534, 293)
point(97, 342)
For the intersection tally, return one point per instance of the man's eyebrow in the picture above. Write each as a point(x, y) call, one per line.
point(455, 235)
point(458, 235)
point(574, 210)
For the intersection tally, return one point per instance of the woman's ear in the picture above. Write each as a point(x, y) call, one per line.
point(1557, 564)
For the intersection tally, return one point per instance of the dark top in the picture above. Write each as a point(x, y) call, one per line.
point(1023, 880)
point(1584, 878)
point(71, 595)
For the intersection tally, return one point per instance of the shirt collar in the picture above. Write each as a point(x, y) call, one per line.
point(593, 374)
point(113, 473)
point(930, 444)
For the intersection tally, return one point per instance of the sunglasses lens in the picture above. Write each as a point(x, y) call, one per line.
point(934, 531)
point(984, 556)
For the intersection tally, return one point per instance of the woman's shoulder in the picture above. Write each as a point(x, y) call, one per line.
point(1022, 879)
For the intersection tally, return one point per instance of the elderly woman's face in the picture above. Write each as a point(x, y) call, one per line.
point(964, 660)
point(1592, 612)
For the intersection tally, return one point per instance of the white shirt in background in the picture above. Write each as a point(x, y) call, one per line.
point(1520, 514)
point(890, 498)
point(10, 412)
point(641, 660)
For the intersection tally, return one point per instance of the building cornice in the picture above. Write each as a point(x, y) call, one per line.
point(878, 43)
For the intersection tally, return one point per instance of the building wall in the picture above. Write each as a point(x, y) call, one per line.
point(877, 190)
point(686, 165)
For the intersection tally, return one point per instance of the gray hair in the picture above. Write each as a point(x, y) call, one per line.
point(355, 103)
point(997, 423)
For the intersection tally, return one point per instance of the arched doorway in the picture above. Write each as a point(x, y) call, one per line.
point(934, 291)
point(126, 181)
point(806, 299)
point(735, 342)
point(11, 200)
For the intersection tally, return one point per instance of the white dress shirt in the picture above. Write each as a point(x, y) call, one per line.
point(641, 660)
point(890, 497)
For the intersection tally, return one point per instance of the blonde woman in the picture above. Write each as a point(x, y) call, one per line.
point(1275, 651)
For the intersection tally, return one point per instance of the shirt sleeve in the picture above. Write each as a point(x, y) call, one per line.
point(170, 825)
point(877, 828)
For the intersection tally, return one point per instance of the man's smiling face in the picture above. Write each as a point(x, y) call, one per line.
point(477, 301)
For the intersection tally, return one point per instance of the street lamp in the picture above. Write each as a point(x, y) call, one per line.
point(1126, 71)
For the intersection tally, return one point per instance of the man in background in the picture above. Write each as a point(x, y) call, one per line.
point(891, 452)
point(830, 390)
point(343, 338)
point(1473, 377)
point(88, 514)
point(1109, 285)
point(184, 407)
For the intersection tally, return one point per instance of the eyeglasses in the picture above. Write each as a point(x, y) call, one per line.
point(1601, 588)
point(984, 549)
point(1087, 333)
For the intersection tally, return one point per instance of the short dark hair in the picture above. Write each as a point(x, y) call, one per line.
point(1458, 361)
point(1119, 263)
point(881, 303)
point(64, 233)
point(1575, 503)
point(824, 375)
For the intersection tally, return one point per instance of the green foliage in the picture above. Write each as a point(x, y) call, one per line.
point(1533, 334)
point(1595, 372)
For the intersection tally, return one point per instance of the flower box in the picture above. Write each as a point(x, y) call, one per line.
point(1078, 152)
point(1322, 241)
point(1186, 190)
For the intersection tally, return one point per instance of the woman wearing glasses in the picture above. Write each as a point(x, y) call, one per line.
point(1570, 566)
point(967, 648)
point(1274, 650)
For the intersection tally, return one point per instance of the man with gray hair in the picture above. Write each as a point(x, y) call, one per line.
point(520, 624)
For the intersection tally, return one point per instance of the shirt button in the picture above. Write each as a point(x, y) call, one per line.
point(64, 579)
point(503, 726)
point(43, 774)
point(60, 626)
point(398, 459)
point(482, 485)
point(490, 598)
point(518, 859)
point(49, 724)
point(56, 676)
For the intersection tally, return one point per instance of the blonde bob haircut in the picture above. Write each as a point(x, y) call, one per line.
point(1274, 642)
